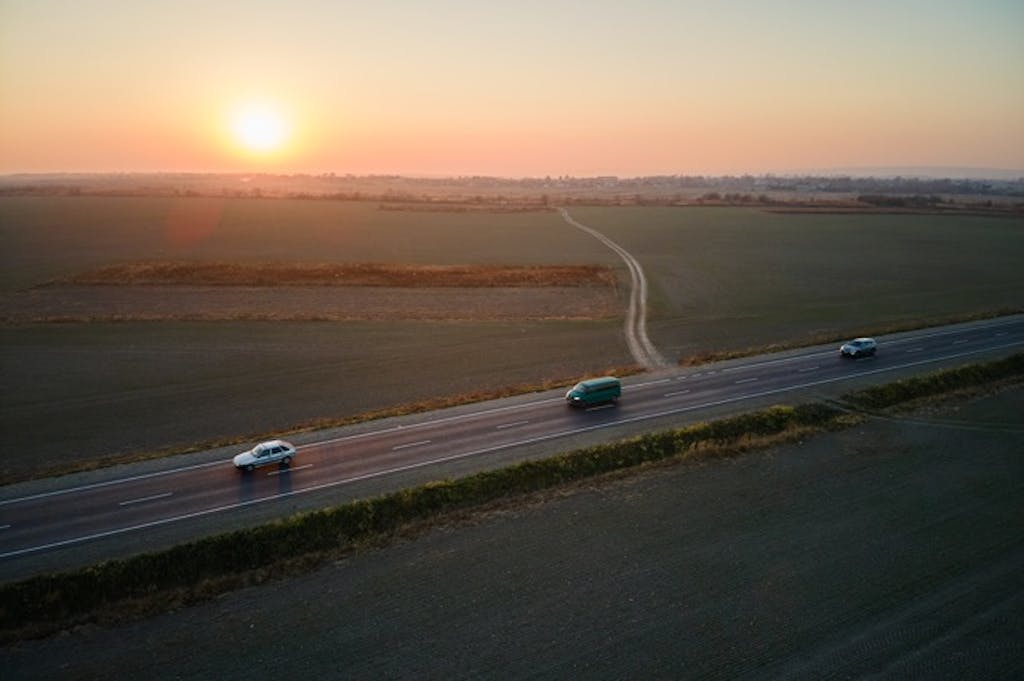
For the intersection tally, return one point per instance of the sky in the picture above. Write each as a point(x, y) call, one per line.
point(513, 89)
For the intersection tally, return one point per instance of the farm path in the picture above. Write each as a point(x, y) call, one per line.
point(640, 346)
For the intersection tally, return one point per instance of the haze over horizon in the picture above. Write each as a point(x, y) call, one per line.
point(529, 89)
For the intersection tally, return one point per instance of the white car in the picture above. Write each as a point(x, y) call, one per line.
point(858, 347)
point(274, 451)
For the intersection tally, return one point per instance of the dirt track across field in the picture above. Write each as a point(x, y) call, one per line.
point(643, 350)
point(892, 550)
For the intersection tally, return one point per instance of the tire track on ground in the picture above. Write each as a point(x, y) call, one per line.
point(640, 346)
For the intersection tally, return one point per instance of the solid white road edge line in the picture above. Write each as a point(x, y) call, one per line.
point(109, 483)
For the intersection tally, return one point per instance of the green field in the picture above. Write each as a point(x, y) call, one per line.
point(721, 279)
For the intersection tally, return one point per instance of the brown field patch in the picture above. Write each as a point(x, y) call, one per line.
point(466, 207)
point(62, 303)
point(215, 273)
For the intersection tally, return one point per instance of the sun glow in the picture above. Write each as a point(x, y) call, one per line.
point(259, 128)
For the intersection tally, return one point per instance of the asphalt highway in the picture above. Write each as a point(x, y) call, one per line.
point(126, 502)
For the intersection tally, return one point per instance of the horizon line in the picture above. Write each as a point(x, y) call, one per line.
point(858, 172)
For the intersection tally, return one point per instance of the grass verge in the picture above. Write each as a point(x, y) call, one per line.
point(823, 339)
point(938, 383)
point(153, 582)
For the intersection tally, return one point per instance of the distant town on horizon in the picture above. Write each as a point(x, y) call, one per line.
point(900, 190)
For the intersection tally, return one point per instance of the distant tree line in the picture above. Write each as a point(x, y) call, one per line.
point(539, 192)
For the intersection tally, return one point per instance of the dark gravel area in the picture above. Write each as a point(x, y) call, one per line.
point(895, 550)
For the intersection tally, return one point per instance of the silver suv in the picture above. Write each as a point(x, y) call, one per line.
point(858, 347)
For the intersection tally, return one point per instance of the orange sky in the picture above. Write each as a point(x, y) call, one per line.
point(525, 88)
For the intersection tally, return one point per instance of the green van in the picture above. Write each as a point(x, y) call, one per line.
point(594, 391)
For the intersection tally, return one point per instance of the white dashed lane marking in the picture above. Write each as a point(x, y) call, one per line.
point(290, 469)
point(145, 499)
point(503, 426)
point(411, 444)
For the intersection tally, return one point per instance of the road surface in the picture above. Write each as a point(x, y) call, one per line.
point(41, 522)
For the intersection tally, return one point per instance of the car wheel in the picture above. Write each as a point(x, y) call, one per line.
point(286, 460)
point(250, 468)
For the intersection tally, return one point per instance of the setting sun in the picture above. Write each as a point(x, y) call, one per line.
point(259, 128)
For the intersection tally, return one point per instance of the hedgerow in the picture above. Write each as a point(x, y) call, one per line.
point(947, 380)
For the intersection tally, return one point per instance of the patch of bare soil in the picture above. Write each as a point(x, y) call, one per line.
point(209, 291)
point(184, 273)
point(311, 303)
point(464, 207)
